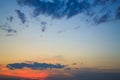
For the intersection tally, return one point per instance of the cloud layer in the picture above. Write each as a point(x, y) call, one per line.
point(98, 11)
point(95, 11)
point(40, 71)
point(34, 66)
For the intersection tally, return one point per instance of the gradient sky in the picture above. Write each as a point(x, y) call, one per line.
point(86, 36)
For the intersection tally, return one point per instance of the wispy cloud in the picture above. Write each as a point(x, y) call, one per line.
point(10, 18)
point(6, 27)
point(43, 26)
point(21, 16)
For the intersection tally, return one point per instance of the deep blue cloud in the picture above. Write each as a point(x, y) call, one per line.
point(21, 16)
point(101, 9)
point(57, 8)
point(102, 19)
point(35, 66)
point(118, 13)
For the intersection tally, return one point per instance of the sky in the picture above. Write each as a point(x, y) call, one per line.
point(59, 40)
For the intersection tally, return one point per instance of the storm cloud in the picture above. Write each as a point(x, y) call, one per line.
point(35, 66)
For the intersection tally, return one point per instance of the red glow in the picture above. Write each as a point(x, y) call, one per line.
point(25, 73)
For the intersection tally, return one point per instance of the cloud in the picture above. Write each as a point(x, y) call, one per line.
point(43, 26)
point(11, 30)
point(102, 19)
point(6, 27)
point(35, 66)
point(57, 9)
point(100, 2)
point(21, 16)
point(118, 13)
point(10, 18)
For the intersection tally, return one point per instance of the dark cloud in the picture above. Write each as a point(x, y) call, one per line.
point(114, 0)
point(69, 8)
point(35, 66)
point(100, 2)
point(57, 8)
point(102, 19)
point(118, 13)
point(11, 30)
point(21, 16)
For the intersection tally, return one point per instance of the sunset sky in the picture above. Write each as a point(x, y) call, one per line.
point(59, 39)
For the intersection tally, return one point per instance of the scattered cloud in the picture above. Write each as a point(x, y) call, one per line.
point(35, 66)
point(43, 26)
point(10, 18)
point(95, 11)
point(6, 27)
point(21, 16)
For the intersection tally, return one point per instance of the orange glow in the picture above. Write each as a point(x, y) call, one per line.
point(25, 73)
point(33, 74)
